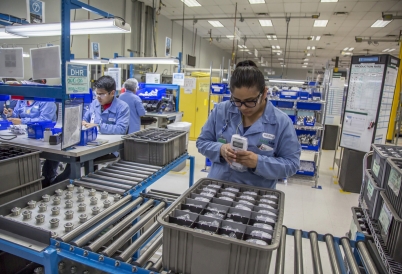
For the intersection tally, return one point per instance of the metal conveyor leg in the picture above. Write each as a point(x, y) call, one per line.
point(298, 252)
point(315, 252)
point(280, 254)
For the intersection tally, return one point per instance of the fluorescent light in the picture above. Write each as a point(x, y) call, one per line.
point(90, 61)
point(277, 50)
point(286, 81)
point(347, 53)
point(278, 53)
point(278, 47)
point(26, 55)
point(305, 59)
point(318, 38)
point(269, 37)
point(244, 50)
point(385, 50)
point(144, 60)
point(329, 1)
point(308, 48)
point(380, 23)
point(242, 46)
point(304, 66)
point(274, 36)
point(283, 65)
point(191, 3)
point(101, 26)
point(249, 52)
point(265, 23)
point(231, 37)
point(257, 1)
point(216, 24)
point(345, 49)
point(391, 50)
point(308, 54)
point(312, 37)
point(313, 48)
point(351, 49)
point(320, 23)
point(6, 35)
point(280, 59)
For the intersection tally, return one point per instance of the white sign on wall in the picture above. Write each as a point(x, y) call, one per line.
point(35, 11)
point(11, 63)
point(95, 50)
point(153, 78)
point(115, 73)
point(178, 79)
point(77, 80)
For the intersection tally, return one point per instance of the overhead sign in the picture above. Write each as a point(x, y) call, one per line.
point(95, 50)
point(115, 73)
point(168, 46)
point(35, 11)
point(77, 80)
point(178, 79)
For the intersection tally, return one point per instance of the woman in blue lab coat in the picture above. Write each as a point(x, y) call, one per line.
point(273, 149)
point(134, 103)
point(31, 111)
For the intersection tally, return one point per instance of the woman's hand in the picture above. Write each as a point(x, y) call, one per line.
point(246, 158)
point(15, 121)
point(228, 153)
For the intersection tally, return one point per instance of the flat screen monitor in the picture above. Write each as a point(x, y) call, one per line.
point(190, 60)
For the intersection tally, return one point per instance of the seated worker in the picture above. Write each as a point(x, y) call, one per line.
point(273, 150)
point(9, 104)
point(134, 103)
point(31, 111)
point(109, 114)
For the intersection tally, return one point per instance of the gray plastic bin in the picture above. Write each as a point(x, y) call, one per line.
point(18, 166)
point(189, 250)
point(380, 155)
point(371, 195)
point(20, 191)
point(154, 146)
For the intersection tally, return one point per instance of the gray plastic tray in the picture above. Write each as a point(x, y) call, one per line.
point(380, 155)
point(371, 195)
point(190, 251)
point(392, 183)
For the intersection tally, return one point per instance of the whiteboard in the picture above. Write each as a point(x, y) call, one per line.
point(362, 106)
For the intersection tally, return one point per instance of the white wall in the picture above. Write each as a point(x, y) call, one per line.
point(111, 43)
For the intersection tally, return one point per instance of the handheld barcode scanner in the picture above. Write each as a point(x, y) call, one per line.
point(8, 104)
point(238, 143)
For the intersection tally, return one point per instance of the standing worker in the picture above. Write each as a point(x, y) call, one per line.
point(134, 103)
point(273, 150)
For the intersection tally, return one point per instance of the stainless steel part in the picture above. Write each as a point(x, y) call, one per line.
point(157, 265)
point(116, 197)
point(104, 195)
point(92, 192)
point(119, 242)
point(95, 210)
point(115, 175)
point(46, 198)
point(315, 253)
point(329, 240)
point(106, 183)
point(140, 177)
point(39, 270)
point(98, 243)
point(148, 265)
point(54, 222)
point(280, 255)
point(56, 200)
point(40, 218)
point(27, 214)
point(42, 207)
point(83, 218)
point(140, 165)
point(94, 201)
point(69, 214)
point(129, 251)
point(366, 258)
point(135, 167)
point(68, 227)
point(81, 241)
point(112, 179)
point(16, 211)
point(143, 259)
point(298, 252)
point(347, 249)
point(31, 204)
point(80, 197)
point(130, 169)
point(69, 204)
point(80, 189)
point(106, 203)
point(58, 192)
point(55, 211)
point(68, 195)
point(70, 187)
point(100, 187)
point(71, 235)
point(82, 207)
point(53, 234)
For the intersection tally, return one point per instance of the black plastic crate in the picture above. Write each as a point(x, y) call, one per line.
point(359, 224)
point(20, 191)
point(392, 183)
point(391, 229)
point(18, 166)
point(380, 155)
point(154, 146)
point(371, 194)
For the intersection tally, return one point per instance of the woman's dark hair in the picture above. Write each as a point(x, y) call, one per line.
point(106, 82)
point(247, 75)
point(39, 81)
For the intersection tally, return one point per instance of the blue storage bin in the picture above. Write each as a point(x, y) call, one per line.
point(291, 94)
point(305, 172)
point(285, 104)
point(309, 106)
point(293, 118)
point(317, 94)
point(161, 93)
point(310, 147)
point(310, 124)
point(88, 135)
point(35, 130)
point(56, 130)
point(4, 124)
point(208, 162)
point(40, 99)
point(274, 102)
point(4, 97)
point(304, 95)
point(218, 88)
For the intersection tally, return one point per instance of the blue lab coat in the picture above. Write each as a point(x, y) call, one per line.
point(273, 128)
point(36, 112)
point(13, 103)
point(114, 120)
point(136, 110)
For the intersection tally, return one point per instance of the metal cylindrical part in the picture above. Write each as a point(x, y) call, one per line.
point(80, 197)
point(70, 187)
point(298, 252)
point(68, 195)
point(92, 233)
point(140, 177)
point(80, 189)
point(68, 227)
point(71, 235)
point(98, 243)
point(329, 240)
point(104, 195)
point(101, 187)
point(58, 192)
point(95, 210)
point(148, 265)
point(54, 222)
point(142, 165)
point(55, 211)
point(157, 265)
point(129, 251)
point(105, 183)
point(143, 259)
point(347, 249)
point(69, 214)
point(16, 211)
point(129, 169)
point(82, 207)
point(280, 255)
point(124, 177)
point(42, 207)
point(135, 167)
point(69, 204)
point(94, 200)
point(31, 204)
point(112, 179)
point(40, 218)
point(366, 258)
point(83, 218)
point(27, 214)
point(46, 198)
point(116, 197)
point(106, 203)
point(56, 201)
point(110, 250)
point(315, 252)
point(92, 192)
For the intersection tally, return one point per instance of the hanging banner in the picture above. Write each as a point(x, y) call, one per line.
point(168, 46)
point(35, 11)
point(77, 80)
point(95, 50)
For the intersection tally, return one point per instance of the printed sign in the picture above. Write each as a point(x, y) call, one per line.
point(178, 79)
point(95, 50)
point(35, 11)
point(115, 73)
point(394, 181)
point(77, 80)
point(189, 85)
point(168, 46)
point(153, 78)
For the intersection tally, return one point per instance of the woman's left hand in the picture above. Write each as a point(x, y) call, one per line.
point(246, 158)
point(15, 121)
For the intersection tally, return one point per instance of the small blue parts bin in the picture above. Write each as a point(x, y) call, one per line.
point(151, 93)
point(4, 124)
point(306, 168)
point(218, 88)
point(35, 130)
point(88, 135)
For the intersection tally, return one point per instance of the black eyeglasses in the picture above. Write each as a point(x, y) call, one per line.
point(247, 104)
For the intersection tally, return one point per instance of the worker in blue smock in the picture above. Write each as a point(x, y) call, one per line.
point(9, 104)
point(31, 111)
point(273, 149)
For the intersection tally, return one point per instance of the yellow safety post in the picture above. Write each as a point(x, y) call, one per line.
point(391, 125)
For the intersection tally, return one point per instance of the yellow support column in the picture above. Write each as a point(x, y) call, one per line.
point(391, 125)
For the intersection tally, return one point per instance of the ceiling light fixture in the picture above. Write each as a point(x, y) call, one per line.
point(6, 35)
point(278, 53)
point(318, 38)
point(216, 24)
point(91, 61)
point(351, 49)
point(26, 55)
point(249, 52)
point(274, 36)
point(101, 26)
point(304, 66)
point(305, 59)
point(252, 2)
point(280, 59)
point(380, 24)
point(345, 49)
point(269, 37)
point(285, 81)
point(308, 47)
point(320, 23)
point(391, 50)
point(144, 60)
point(308, 54)
point(313, 48)
point(385, 50)
point(329, 1)
point(265, 23)
point(191, 3)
